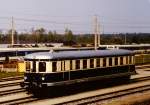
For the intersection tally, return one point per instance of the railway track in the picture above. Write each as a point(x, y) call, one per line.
point(13, 91)
point(140, 79)
point(108, 96)
point(11, 78)
point(29, 99)
point(21, 99)
point(25, 99)
point(10, 83)
point(97, 96)
point(88, 100)
point(142, 66)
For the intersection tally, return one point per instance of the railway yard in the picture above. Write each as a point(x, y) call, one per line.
point(75, 52)
point(139, 86)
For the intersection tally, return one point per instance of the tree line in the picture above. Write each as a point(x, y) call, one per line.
point(68, 38)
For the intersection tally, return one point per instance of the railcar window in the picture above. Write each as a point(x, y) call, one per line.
point(70, 64)
point(42, 66)
point(110, 61)
point(77, 64)
point(104, 62)
point(91, 63)
point(54, 66)
point(34, 66)
point(130, 59)
point(116, 61)
point(97, 62)
point(121, 60)
point(84, 64)
point(28, 66)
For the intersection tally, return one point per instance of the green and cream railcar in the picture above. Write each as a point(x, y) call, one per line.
point(46, 69)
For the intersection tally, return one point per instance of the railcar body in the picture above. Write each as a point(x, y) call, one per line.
point(47, 69)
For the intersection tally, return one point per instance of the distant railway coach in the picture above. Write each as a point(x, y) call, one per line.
point(47, 69)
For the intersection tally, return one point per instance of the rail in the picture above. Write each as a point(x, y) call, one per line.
point(107, 96)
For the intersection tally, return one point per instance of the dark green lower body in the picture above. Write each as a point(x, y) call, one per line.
point(78, 76)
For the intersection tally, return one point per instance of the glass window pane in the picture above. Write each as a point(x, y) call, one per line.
point(104, 62)
point(110, 61)
point(54, 67)
point(91, 63)
point(77, 64)
point(121, 60)
point(116, 61)
point(98, 62)
point(84, 64)
point(71, 65)
point(42, 66)
point(34, 66)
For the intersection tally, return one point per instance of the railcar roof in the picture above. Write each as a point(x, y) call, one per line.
point(77, 54)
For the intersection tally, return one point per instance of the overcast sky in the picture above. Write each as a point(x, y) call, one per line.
point(114, 15)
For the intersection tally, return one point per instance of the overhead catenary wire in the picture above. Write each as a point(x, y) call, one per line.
point(103, 21)
point(76, 25)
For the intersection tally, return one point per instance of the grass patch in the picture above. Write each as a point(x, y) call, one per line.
point(10, 74)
